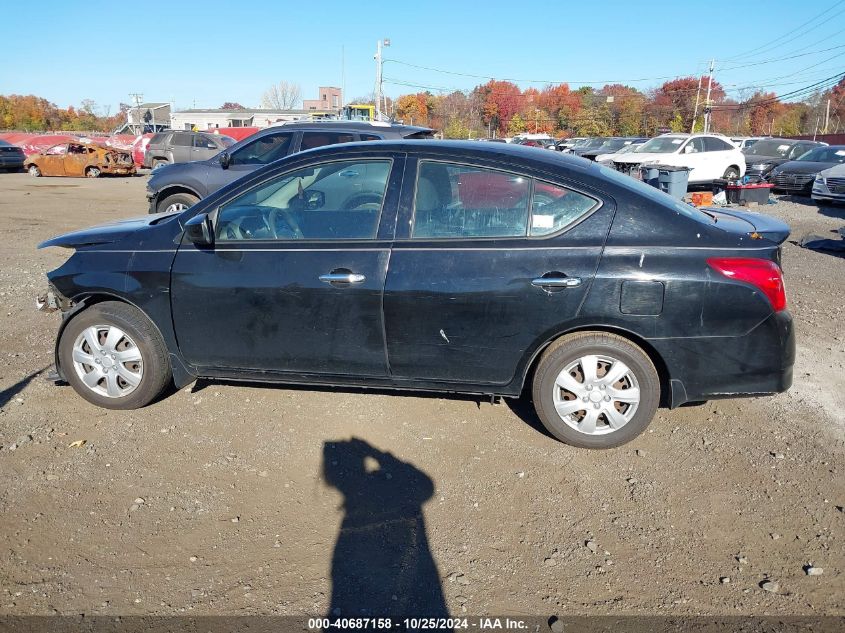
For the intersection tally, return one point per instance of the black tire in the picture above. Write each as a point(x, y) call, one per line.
point(177, 198)
point(731, 173)
point(568, 350)
point(156, 373)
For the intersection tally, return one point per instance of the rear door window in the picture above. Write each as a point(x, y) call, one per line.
point(554, 207)
point(716, 145)
point(460, 201)
point(310, 140)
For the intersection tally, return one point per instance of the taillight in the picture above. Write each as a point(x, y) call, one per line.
point(761, 273)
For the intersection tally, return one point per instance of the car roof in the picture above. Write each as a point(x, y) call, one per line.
point(490, 151)
point(357, 126)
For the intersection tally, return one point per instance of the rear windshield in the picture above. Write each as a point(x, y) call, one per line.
point(770, 148)
point(420, 134)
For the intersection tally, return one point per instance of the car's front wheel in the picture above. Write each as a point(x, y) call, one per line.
point(595, 390)
point(34, 171)
point(114, 357)
point(176, 202)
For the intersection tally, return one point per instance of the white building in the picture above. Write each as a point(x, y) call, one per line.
point(211, 119)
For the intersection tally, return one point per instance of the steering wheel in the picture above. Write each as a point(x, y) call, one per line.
point(289, 222)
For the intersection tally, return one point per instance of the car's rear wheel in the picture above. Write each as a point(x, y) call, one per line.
point(731, 173)
point(176, 202)
point(92, 172)
point(34, 171)
point(595, 390)
point(113, 356)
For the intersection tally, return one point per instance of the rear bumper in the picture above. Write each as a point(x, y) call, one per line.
point(711, 368)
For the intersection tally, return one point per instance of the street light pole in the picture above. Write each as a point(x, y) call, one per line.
point(385, 42)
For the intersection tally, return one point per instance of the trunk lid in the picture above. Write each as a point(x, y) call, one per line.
point(750, 223)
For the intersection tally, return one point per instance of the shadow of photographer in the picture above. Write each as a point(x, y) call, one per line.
point(381, 565)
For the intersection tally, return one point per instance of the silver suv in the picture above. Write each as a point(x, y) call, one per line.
point(177, 187)
point(174, 146)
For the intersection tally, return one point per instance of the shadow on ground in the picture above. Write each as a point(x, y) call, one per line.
point(7, 394)
point(382, 564)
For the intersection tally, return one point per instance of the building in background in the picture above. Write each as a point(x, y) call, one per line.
point(330, 99)
point(211, 119)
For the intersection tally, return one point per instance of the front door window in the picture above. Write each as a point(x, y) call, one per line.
point(339, 200)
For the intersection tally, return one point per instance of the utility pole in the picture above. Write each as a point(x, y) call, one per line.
point(707, 107)
point(827, 117)
point(342, 76)
point(138, 98)
point(695, 110)
point(385, 42)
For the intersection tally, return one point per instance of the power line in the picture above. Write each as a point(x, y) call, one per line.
point(780, 59)
point(796, 32)
point(527, 81)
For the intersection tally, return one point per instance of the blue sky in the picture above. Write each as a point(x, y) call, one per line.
point(207, 52)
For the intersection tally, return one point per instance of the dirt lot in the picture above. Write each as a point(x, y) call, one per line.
point(226, 499)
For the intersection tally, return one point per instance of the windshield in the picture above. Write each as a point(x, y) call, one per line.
point(613, 144)
point(770, 148)
point(227, 141)
point(825, 155)
point(593, 143)
point(661, 145)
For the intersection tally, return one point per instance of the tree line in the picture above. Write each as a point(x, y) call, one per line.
point(501, 108)
point(29, 113)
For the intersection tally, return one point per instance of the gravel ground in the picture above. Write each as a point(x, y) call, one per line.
point(225, 499)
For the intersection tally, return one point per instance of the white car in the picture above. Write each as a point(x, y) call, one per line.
point(609, 158)
point(743, 142)
point(829, 185)
point(708, 156)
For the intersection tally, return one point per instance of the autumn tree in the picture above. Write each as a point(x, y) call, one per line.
point(501, 99)
point(232, 105)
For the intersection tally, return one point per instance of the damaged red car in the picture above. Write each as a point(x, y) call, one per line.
point(80, 159)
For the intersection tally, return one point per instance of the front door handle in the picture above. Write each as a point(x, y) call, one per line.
point(556, 282)
point(344, 278)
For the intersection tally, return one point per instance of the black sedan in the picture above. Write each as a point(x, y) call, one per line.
point(441, 266)
point(766, 154)
point(798, 175)
point(11, 157)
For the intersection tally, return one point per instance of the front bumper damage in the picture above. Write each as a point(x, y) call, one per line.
point(51, 300)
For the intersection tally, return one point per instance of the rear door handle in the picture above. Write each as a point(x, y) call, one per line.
point(345, 278)
point(557, 282)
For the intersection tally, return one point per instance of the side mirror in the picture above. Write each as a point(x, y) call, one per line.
point(314, 200)
point(224, 159)
point(200, 230)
